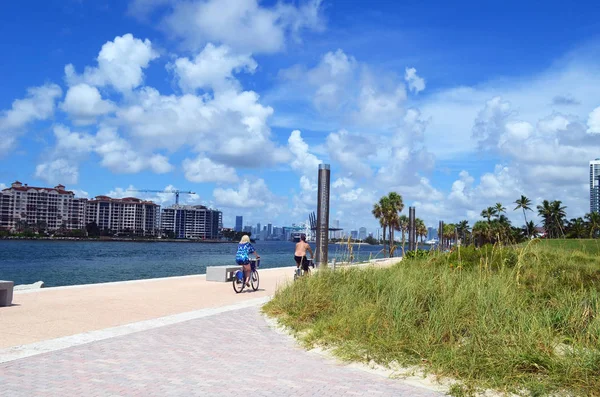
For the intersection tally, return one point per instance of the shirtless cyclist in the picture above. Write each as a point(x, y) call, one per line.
point(300, 255)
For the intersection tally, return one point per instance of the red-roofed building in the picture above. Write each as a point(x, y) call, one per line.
point(44, 207)
point(55, 208)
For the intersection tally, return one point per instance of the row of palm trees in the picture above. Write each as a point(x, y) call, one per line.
point(494, 227)
point(387, 211)
point(497, 227)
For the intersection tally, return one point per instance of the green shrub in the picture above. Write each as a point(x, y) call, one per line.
point(512, 319)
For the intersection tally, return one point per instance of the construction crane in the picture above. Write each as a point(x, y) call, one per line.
point(176, 192)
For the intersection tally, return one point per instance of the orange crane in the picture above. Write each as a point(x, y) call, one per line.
point(176, 192)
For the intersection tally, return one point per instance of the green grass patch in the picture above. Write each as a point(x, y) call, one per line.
point(524, 320)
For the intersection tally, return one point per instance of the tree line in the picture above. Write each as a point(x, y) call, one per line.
point(494, 227)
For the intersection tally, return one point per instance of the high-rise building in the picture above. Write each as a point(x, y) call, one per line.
point(247, 229)
point(239, 221)
point(432, 233)
point(595, 185)
point(258, 230)
point(194, 222)
point(354, 234)
point(42, 207)
point(269, 230)
point(362, 233)
point(129, 214)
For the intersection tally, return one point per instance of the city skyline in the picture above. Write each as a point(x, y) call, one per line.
point(137, 95)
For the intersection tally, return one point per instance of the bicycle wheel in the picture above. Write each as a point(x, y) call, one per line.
point(254, 280)
point(238, 286)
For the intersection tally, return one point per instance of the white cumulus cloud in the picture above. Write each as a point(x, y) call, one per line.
point(120, 64)
point(84, 103)
point(212, 68)
point(244, 25)
point(415, 83)
point(203, 169)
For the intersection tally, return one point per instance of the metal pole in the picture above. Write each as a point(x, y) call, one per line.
point(323, 215)
point(441, 235)
point(411, 229)
point(411, 211)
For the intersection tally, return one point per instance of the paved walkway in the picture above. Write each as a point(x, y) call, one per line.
point(178, 336)
point(225, 354)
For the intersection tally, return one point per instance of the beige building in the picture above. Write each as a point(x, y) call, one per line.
point(24, 206)
point(123, 215)
point(48, 208)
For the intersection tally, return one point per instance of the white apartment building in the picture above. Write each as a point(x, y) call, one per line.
point(595, 185)
point(195, 222)
point(53, 208)
point(129, 214)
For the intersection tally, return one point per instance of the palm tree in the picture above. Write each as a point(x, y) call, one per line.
point(530, 229)
point(553, 215)
point(545, 211)
point(449, 233)
point(524, 203)
point(576, 228)
point(593, 219)
point(420, 230)
point(463, 229)
point(499, 209)
point(403, 227)
point(558, 216)
point(395, 206)
point(378, 214)
point(488, 213)
point(482, 231)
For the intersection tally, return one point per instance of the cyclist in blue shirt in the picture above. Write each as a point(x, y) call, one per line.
point(242, 257)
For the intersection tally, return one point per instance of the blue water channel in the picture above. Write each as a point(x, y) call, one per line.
point(59, 263)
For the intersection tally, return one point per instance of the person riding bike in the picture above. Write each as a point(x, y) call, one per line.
point(300, 254)
point(242, 257)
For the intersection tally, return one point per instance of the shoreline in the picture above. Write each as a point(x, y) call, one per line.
point(119, 239)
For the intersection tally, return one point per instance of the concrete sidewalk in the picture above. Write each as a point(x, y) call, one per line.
point(231, 353)
point(48, 313)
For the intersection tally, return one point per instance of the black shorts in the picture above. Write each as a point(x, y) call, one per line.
point(301, 261)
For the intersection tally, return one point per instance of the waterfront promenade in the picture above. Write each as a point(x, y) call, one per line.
point(175, 336)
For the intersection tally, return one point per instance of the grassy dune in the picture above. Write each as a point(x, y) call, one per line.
point(522, 319)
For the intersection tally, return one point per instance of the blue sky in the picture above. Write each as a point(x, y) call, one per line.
point(455, 106)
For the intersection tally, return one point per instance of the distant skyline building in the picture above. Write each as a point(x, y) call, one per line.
point(239, 222)
point(432, 233)
point(595, 185)
point(362, 233)
point(269, 230)
point(354, 234)
point(248, 229)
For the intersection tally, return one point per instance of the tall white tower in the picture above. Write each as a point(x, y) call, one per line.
point(595, 185)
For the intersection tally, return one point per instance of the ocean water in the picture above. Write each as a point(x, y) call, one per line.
point(59, 263)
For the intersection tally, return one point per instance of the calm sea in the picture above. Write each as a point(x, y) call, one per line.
point(58, 263)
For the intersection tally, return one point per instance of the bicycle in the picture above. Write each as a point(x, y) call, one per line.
point(299, 272)
point(238, 277)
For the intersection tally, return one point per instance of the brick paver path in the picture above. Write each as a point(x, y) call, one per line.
point(222, 355)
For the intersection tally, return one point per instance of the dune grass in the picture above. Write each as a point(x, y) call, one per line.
point(523, 320)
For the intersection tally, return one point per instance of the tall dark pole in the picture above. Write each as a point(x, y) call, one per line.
point(411, 229)
point(414, 228)
point(323, 215)
point(441, 235)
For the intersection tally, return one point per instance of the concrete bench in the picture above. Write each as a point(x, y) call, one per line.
point(221, 273)
point(6, 292)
